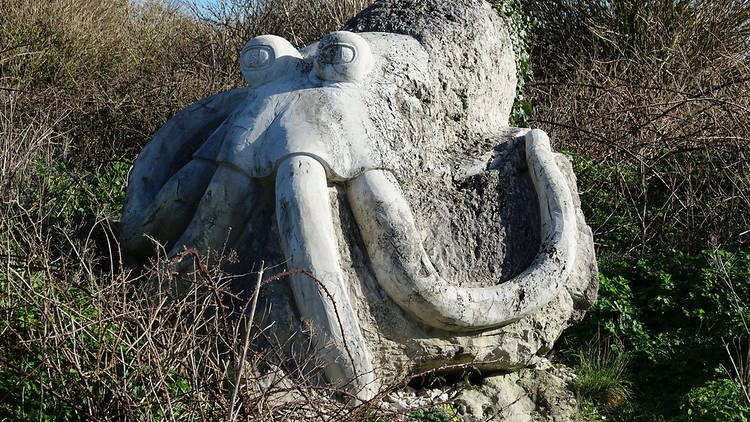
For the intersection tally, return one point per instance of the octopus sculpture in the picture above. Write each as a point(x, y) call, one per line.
point(303, 122)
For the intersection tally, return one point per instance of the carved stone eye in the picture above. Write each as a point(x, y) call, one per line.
point(267, 58)
point(342, 57)
point(338, 54)
point(257, 57)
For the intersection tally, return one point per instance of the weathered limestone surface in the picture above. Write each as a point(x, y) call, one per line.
point(467, 183)
point(535, 393)
point(445, 236)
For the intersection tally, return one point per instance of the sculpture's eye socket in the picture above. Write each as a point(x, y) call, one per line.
point(342, 57)
point(257, 57)
point(337, 54)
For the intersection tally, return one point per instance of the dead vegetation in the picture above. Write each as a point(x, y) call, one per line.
point(657, 96)
point(84, 85)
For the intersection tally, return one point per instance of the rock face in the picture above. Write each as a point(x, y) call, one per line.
point(445, 104)
point(440, 102)
point(536, 393)
point(462, 199)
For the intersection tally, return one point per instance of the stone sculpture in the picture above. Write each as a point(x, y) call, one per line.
point(375, 118)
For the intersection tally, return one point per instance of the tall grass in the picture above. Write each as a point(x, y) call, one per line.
point(109, 72)
point(601, 373)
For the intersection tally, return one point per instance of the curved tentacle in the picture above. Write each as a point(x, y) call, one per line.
point(307, 237)
point(169, 150)
point(170, 211)
point(405, 272)
point(220, 216)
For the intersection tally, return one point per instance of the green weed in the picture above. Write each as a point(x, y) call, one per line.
point(602, 370)
point(441, 413)
point(521, 24)
point(715, 400)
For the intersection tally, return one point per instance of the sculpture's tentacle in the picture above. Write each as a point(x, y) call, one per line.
point(221, 215)
point(171, 210)
point(306, 229)
point(405, 272)
point(170, 149)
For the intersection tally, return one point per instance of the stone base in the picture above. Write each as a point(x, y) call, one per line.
point(536, 393)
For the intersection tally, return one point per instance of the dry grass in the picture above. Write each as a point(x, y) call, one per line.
point(110, 72)
point(657, 94)
point(84, 338)
point(84, 86)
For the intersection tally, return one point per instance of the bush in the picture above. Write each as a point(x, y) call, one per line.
point(716, 400)
point(521, 25)
point(670, 312)
point(650, 99)
point(443, 413)
point(656, 93)
point(107, 73)
point(85, 85)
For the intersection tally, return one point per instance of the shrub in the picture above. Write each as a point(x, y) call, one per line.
point(300, 22)
point(108, 73)
point(85, 85)
point(670, 313)
point(656, 93)
point(442, 413)
point(716, 400)
point(650, 99)
point(521, 25)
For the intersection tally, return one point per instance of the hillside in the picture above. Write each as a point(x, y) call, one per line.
point(650, 100)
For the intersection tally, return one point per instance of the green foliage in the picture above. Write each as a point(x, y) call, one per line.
point(79, 193)
point(669, 312)
point(666, 304)
point(68, 336)
point(441, 413)
point(521, 24)
point(601, 368)
point(24, 377)
point(589, 411)
point(715, 400)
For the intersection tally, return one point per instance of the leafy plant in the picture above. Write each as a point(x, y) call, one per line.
point(715, 400)
point(521, 25)
point(440, 413)
point(79, 193)
point(669, 312)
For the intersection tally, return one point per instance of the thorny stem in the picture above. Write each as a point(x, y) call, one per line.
point(335, 309)
point(246, 342)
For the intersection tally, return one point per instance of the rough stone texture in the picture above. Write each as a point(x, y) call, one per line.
point(466, 181)
point(437, 100)
point(499, 208)
point(536, 393)
point(539, 392)
point(471, 66)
